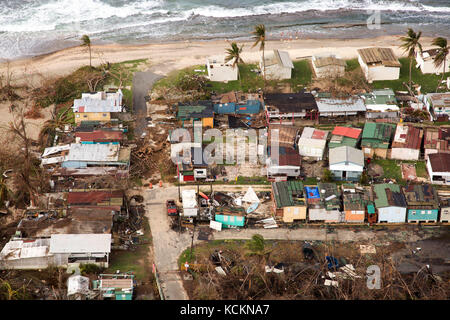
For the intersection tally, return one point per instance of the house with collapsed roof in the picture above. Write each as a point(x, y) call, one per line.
point(379, 64)
point(381, 104)
point(423, 203)
point(390, 203)
point(356, 202)
point(285, 108)
point(438, 167)
point(407, 142)
point(282, 135)
point(425, 61)
point(346, 163)
point(436, 140)
point(97, 106)
point(288, 200)
point(284, 163)
point(329, 107)
point(344, 136)
point(328, 66)
point(438, 104)
point(60, 250)
point(219, 70)
point(376, 139)
point(312, 143)
point(278, 65)
point(201, 112)
point(324, 203)
point(237, 103)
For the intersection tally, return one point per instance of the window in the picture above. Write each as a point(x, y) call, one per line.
point(84, 116)
point(104, 115)
point(429, 211)
point(413, 212)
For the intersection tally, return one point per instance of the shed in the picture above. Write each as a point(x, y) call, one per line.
point(288, 198)
point(406, 143)
point(376, 139)
point(328, 66)
point(278, 65)
point(219, 70)
point(312, 143)
point(379, 64)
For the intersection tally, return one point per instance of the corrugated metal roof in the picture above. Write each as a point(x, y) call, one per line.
point(377, 135)
point(352, 104)
point(288, 193)
point(113, 197)
point(347, 132)
point(80, 243)
point(384, 56)
point(328, 61)
point(437, 138)
point(409, 137)
point(441, 100)
point(440, 162)
point(388, 194)
point(421, 195)
point(93, 152)
point(346, 154)
point(100, 135)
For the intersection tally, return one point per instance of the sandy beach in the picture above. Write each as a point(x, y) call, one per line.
point(167, 57)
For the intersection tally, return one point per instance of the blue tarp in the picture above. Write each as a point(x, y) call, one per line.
point(312, 193)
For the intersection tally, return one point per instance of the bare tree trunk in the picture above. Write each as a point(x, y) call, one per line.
point(443, 74)
point(410, 65)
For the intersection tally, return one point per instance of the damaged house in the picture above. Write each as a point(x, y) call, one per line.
point(390, 203)
point(406, 143)
point(286, 108)
point(333, 108)
point(436, 140)
point(237, 103)
point(312, 143)
point(376, 139)
point(423, 203)
point(97, 106)
point(381, 104)
point(356, 203)
point(288, 199)
point(324, 203)
point(344, 136)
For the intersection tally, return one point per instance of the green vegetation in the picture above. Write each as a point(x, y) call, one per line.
point(391, 169)
point(352, 64)
point(134, 259)
point(421, 169)
point(427, 81)
point(90, 268)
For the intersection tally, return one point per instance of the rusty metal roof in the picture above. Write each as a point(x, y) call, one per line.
point(408, 137)
point(113, 197)
point(384, 56)
point(440, 162)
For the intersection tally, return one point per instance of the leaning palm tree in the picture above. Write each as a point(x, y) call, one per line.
point(259, 36)
point(410, 45)
point(234, 53)
point(87, 43)
point(441, 56)
point(57, 121)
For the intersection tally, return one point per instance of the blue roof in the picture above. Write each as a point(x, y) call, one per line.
point(312, 193)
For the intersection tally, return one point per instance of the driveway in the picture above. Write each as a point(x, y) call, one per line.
point(142, 83)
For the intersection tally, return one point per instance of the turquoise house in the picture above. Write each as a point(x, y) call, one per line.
point(230, 217)
point(422, 203)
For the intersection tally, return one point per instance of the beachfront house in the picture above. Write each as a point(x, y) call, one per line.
point(339, 108)
point(438, 167)
point(390, 203)
point(425, 61)
point(381, 104)
point(328, 66)
point(97, 106)
point(346, 163)
point(285, 108)
point(312, 143)
point(406, 143)
point(288, 200)
point(436, 140)
point(278, 65)
point(344, 136)
point(423, 203)
point(438, 104)
point(379, 64)
point(286, 163)
point(376, 139)
point(221, 71)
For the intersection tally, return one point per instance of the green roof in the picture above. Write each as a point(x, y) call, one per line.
point(382, 96)
point(377, 135)
point(288, 193)
point(345, 141)
point(198, 111)
point(381, 199)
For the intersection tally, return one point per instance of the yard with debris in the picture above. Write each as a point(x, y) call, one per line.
point(266, 269)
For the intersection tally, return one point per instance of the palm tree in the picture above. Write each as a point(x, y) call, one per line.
point(235, 53)
point(87, 43)
point(410, 45)
point(441, 56)
point(57, 121)
point(259, 36)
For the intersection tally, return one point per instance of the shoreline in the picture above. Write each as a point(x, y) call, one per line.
point(164, 57)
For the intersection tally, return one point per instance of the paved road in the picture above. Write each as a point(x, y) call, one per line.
point(168, 244)
point(142, 83)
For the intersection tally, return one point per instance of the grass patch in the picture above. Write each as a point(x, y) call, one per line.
point(352, 64)
point(427, 81)
point(135, 260)
point(391, 169)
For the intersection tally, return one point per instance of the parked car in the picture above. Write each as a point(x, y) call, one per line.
point(172, 209)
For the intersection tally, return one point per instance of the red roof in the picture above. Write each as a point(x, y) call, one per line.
point(319, 134)
point(347, 132)
point(92, 197)
point(100, 136)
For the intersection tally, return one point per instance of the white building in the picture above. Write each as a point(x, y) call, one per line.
point(312, 143)
point(425, 61)
point(189, 200)
point(346, 163)
point(99, 102)
point(438, 104)
point(328, 66)
point(278, 65)
point(438, 167)
point(381, 104)
point(379, 64)
point(335, 107)
point(219, 70)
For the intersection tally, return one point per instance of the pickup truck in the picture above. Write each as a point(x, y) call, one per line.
point(172, 209)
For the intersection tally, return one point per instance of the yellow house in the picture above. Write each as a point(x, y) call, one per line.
point(92, 116)
point(288, 200)
point(97, 106)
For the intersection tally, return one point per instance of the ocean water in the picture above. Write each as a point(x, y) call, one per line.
point(32, 27)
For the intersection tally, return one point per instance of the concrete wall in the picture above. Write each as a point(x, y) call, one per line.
point(376, 73)
point(276, 72)
point(392, 214)
point(428, 65)
point(404, 154)
point(92, 116)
